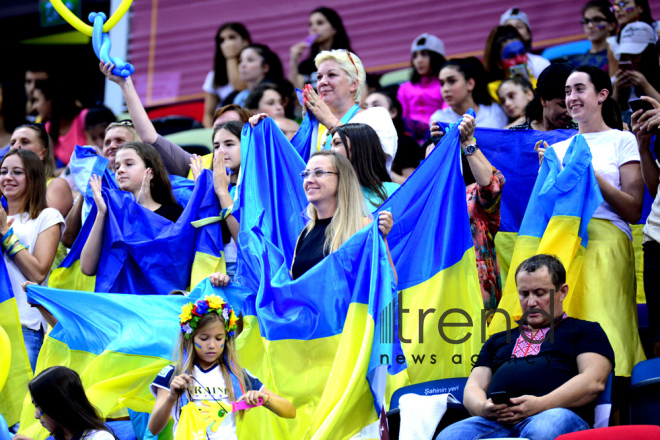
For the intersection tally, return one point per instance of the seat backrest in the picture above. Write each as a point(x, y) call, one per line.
point(563, 50)
point(645, 370)
point(455, 386)
point(604, 405)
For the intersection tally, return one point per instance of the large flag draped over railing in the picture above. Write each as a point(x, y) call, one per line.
point(432, 249)
point(561, 205)
point(145, 253)
point(20, 372)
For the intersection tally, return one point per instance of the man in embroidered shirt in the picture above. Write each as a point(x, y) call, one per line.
point(553, 367)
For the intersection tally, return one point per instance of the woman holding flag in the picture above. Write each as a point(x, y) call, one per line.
point(340, 83)
point(605, 290)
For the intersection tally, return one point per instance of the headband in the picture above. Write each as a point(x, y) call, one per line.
point(191, 313)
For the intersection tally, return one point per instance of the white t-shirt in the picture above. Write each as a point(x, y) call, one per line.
point(27, 232)
point(609, 150)
point(380, 120)
point(222, 91)
point(208, 385)
point(537, 63)
point(97, 435)
point(488, 116)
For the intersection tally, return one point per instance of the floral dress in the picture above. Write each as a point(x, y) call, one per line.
point(484, 209)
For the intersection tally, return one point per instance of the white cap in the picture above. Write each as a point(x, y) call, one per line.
point(635, 37)
point(428, 42)
point(514, 14)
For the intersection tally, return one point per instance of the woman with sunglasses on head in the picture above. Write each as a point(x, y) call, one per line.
point(30, 234)
point(599, 23)
point(626, 12)
point(336, 210)
point(341, 82)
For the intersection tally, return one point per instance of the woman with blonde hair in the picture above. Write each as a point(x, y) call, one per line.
point(336, 210)
point(340, 83)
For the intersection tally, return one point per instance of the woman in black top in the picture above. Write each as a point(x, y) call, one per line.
point(336, 210)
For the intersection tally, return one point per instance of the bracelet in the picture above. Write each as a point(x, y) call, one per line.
point(16, 249)
point(9, 240)
point(8, 234)
point(334, 126)
point(224, 213)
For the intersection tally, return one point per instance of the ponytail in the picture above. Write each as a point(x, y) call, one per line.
point(612, 114)
point(610, 110)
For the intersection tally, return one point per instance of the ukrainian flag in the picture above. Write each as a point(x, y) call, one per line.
point(309, 338)
point(20, 372)
point(117, 343)
point(560, 208)
point(140, 248)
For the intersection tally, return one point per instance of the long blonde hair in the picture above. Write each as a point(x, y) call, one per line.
point(351, 207)
point(228, 361)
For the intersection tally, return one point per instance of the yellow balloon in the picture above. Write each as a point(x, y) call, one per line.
point(5, 357)
point(86, 29)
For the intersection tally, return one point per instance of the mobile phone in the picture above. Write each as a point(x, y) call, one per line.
point(519, 70)
point(626, 65)
point(640, 104)
point(500, 397)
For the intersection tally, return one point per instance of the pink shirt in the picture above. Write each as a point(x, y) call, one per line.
point(64, 145)
point(420, 100)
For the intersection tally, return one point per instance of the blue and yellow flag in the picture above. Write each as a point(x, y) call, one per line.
point(20, 372)
point(561, 205)
point(117, 343)
point(141, 248)
point(433, 252)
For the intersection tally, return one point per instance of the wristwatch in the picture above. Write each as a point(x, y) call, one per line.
point(471, 149)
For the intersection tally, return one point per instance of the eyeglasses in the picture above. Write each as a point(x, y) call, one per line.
point(595, 21)
point(124, 123)
point(15, 173)
point(318, 174)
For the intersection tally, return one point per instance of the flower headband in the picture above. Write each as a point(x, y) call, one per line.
point(191, 313)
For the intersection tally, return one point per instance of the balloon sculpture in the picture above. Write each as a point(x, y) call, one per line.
point(99, 33)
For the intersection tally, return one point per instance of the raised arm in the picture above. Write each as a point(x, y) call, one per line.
point(479, 165)
point(89, 258)
point(139, 116)
point(73, 223)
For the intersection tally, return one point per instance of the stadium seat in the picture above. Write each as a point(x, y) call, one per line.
point(566, 50)
point(175, 124)
point(634, 432)
point(455, 411)
point(5, 434)
point(199, 137)
point(645, 393)
point(604, 405)
point(395, 77)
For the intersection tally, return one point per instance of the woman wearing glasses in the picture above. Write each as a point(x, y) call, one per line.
point(599, 23)
point(30, 234)
point(336, 210)
point(626, 12)
point(340, 84)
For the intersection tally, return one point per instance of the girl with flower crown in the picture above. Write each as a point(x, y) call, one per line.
point(208, 373)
